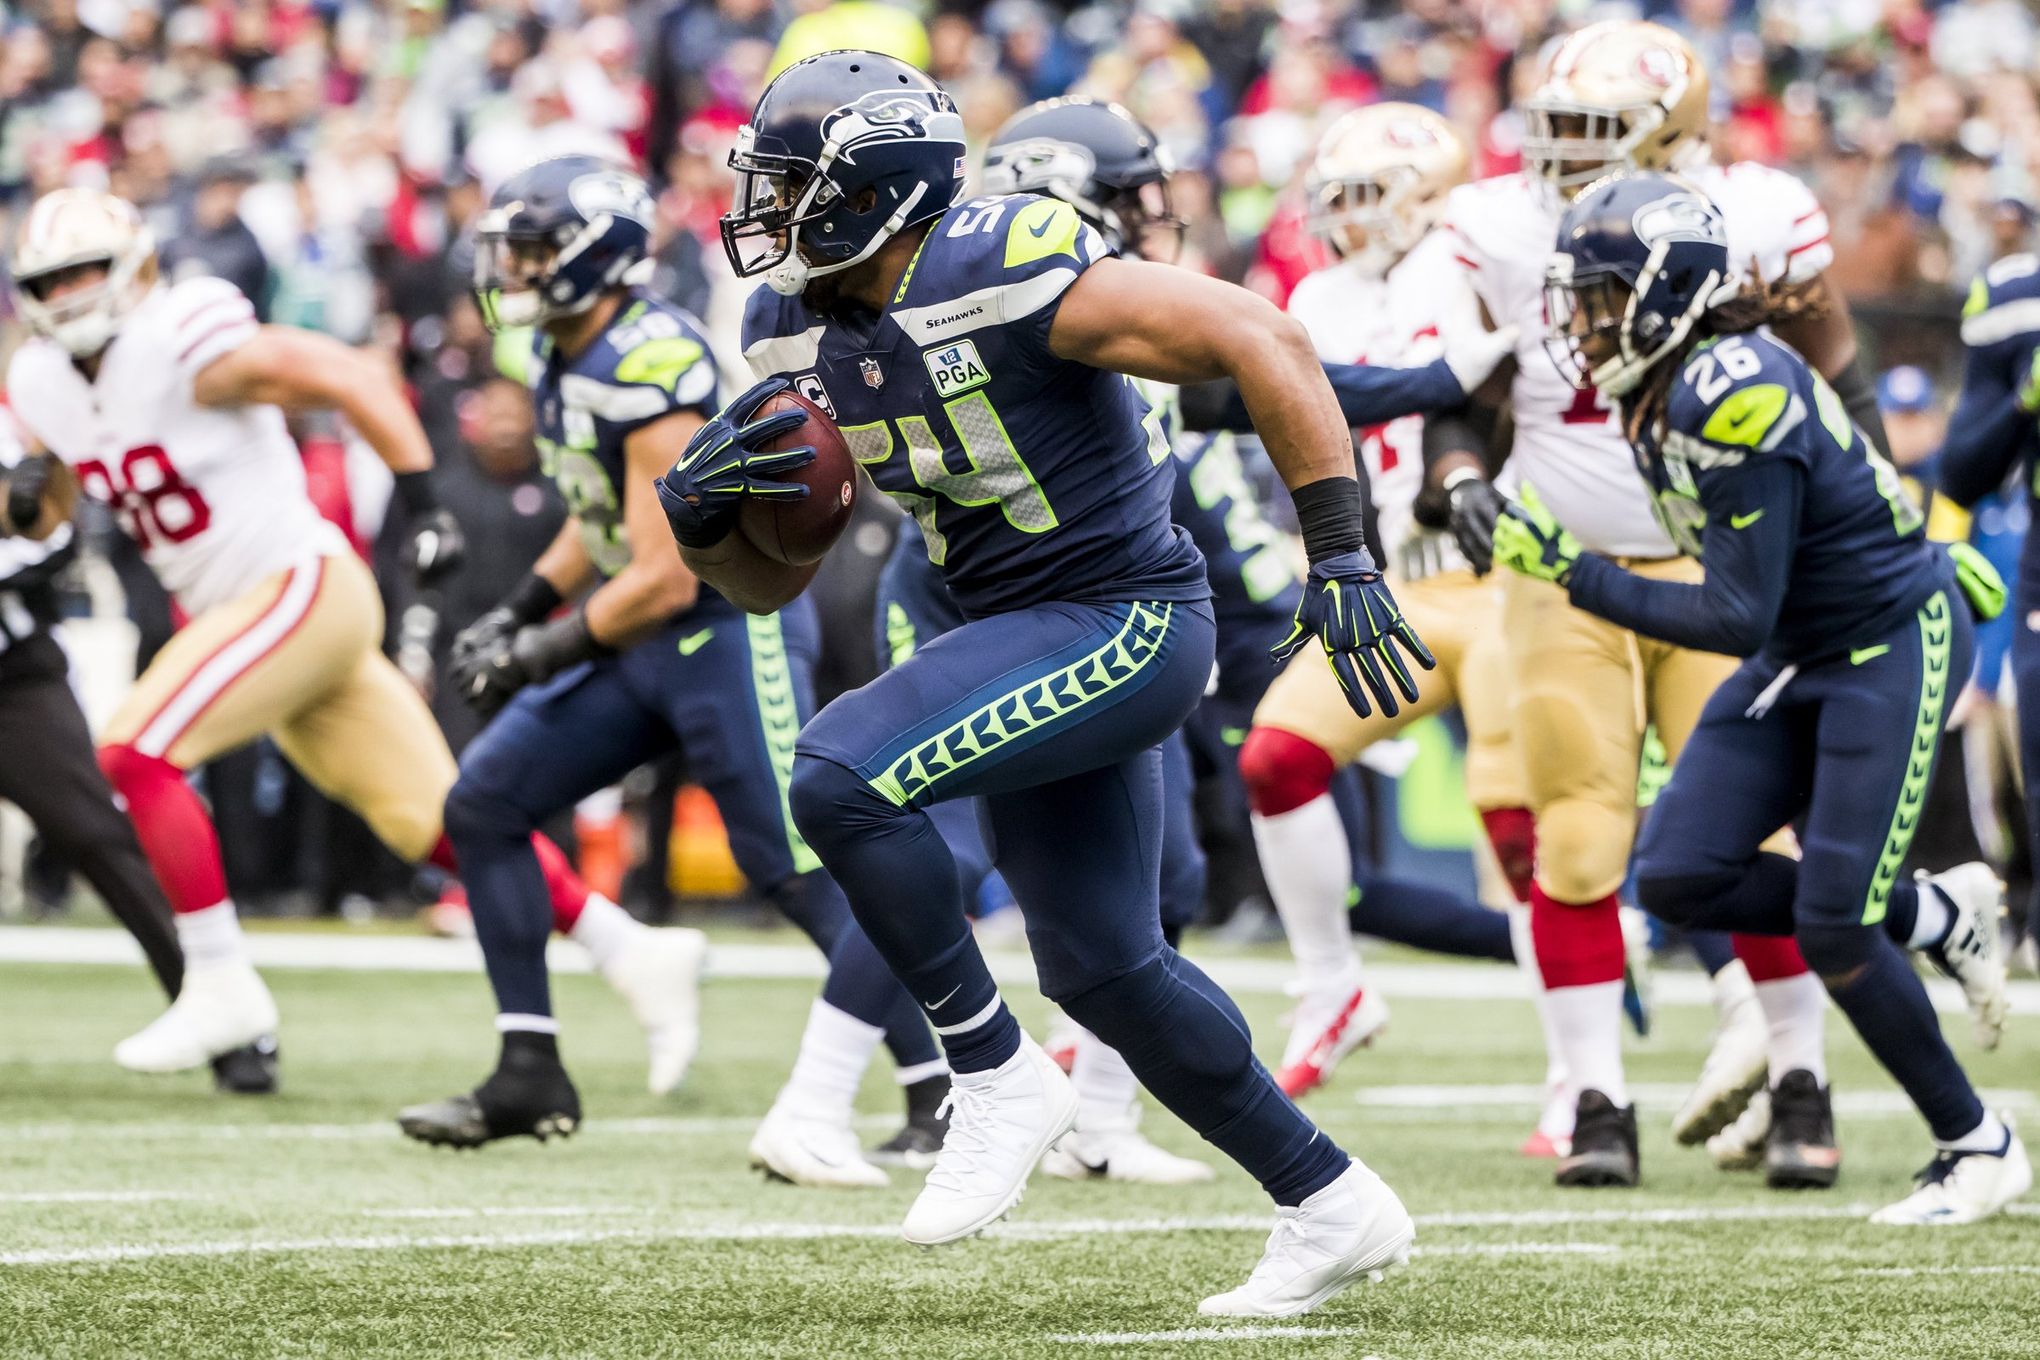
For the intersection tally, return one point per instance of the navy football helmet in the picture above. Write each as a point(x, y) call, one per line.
point(1641, 257)
point(555, 237)
point(844, 151)
point(1099, 159)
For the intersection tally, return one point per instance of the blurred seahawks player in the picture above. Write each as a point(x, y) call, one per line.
point(1101, 160)
point(1856, 631)
point(645, 662)
point(1995, 434)
point(972, 353)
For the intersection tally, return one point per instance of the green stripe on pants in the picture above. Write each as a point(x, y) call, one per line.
point(1935, 633)
point(779, 717)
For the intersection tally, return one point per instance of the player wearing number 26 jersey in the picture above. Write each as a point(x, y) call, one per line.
point(1583, 691)
point(163, 402)
point(973, 354)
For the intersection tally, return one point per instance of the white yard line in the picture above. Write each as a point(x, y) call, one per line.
point(1649, 1095)
point(514, 1211)
point(372, 1131)
point(1205, 1334)
point(420, 954)
point(1907, 1272)
point(1021, 1231)
point(93, 1196)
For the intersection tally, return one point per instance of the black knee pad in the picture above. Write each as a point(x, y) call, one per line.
point(1683, 899)
point(829, 801)
point(1835, 951)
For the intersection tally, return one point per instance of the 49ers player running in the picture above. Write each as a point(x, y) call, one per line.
point(167, 403)
point(1377, 188)
point(1619, 95)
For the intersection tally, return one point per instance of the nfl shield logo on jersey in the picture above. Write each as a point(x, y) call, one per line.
point(874, 377)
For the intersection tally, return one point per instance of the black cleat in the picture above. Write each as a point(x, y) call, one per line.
point(1603, 1144)
point(915, 1145)
point(528, 1096)
point(249, 1070)
point(1801, 1153)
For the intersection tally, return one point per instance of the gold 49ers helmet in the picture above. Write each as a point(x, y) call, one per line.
point(1620, 95)
point(1379, 182)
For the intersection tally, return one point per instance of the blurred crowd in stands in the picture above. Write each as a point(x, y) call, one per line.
point(326, 155)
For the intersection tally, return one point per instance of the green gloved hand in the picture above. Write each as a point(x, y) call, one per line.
point(1529, 539)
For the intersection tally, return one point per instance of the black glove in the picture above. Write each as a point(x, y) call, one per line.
point(1476, 505)
point(27, 483)
point(502, 664)
point(437, 545)
point(477, 647)
point(722, 464)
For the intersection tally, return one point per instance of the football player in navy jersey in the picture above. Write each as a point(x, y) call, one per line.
point(647, 661)
point(1856, 631)
point(973, 354)
point(1995, 434)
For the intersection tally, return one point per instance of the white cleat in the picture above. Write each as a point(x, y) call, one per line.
point(1737, 1067)
point(221, 1007)
point(1001, 1123)
point(660, 977)
point(1353, 1227)
point(1963, 1187)
point(1328, 1023)
point(1973, 954)
point(1120, 1154)
point(791, 1146)
point(1740, 1146)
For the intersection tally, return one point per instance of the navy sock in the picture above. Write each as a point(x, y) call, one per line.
point(1902, 912)
point(1712, 948)
point(1430, 918)
point(902, 886)
point(507, 896)
point(1190, 1047)
point(1886, 1002)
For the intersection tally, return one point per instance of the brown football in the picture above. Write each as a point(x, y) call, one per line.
point(799, 532)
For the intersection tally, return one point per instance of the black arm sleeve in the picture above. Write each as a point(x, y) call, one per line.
point(1735, 608)
point(1369, 394)
point(1985, 434)
point(1859, 398)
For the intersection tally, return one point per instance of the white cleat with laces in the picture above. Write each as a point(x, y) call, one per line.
point(221, 1007)
point(1957, 1188)
point(806, 1150)
point(660, 977)
point(1973, 952)
point(1352, 1228)
point(1120, 1152)
point(1737, 1067)
point(1001, 1122)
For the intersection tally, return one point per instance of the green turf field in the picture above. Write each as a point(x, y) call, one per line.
point(149, 1217)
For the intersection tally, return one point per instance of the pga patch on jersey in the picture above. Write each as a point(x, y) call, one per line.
point(956, 368)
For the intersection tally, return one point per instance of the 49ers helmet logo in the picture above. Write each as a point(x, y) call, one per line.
point(1659, 65)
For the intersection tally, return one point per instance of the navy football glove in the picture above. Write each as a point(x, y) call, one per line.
point(1348, 608)
point(723, 464)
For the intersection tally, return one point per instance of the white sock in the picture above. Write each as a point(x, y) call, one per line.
point(1989, 1136)
point(1589, 1024)
point(1795, 1008)
point(1106, 1086)
point(1936, 918)
point(1309, 870)
point(920, 1072)
point(1555, 1120)
point(834, 1051)
point(212, 935)
point(516, 1022)
point(606, 931)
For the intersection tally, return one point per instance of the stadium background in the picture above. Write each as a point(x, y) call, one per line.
point(327, 157)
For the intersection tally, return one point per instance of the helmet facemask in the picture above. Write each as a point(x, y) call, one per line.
point(84, 318)
point(1568, 146)
point(1606, 331)
point(520, 277)
point(1371, 221)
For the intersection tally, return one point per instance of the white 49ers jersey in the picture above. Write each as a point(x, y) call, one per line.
point(1568, 443)
point(215, 498)
point(1393, 321)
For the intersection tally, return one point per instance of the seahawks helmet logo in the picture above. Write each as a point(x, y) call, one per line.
point(611, 193)
point(1679, 217)
point(883, 116)
point(1025, 167)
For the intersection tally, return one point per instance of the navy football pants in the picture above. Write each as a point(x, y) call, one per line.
point(1053, 716)
point(729, 692)
point(1849, 745)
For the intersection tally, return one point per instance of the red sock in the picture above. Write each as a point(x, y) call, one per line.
point(568, 893)
point(1283, 771)
point(172, 824)
point(1577, 944)
point(562, 885)
point(1769, 957)
point(1512, 831)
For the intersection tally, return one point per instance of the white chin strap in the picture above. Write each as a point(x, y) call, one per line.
point(1621, 375)
point(789, 278)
